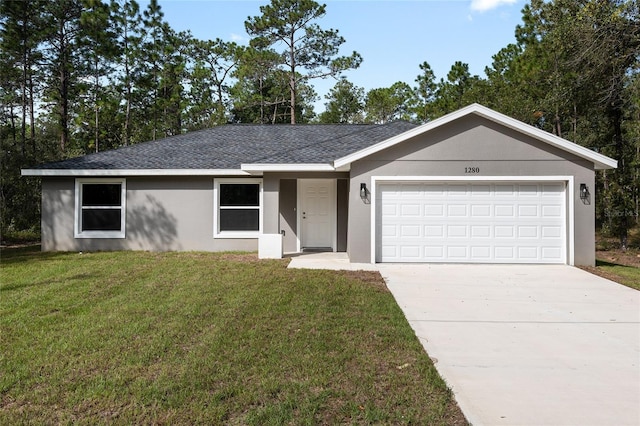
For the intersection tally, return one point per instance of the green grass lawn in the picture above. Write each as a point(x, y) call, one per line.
point(201, 338)
point(623, 274)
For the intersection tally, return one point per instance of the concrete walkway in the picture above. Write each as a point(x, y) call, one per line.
point(328, 260)
point(527, 345)
point(518, 344)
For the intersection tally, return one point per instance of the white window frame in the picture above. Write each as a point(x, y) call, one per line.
point(78, 232)
point(216, 208)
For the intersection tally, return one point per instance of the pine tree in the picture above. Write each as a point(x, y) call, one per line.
point(310, 52)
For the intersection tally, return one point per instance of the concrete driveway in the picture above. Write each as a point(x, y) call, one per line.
point(527, 345)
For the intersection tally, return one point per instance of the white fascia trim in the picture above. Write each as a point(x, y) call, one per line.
point(570, 199)
point(133, 172)
point(304, 167)
point(600, 161)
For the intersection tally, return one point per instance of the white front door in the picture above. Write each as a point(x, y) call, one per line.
point(317, 213)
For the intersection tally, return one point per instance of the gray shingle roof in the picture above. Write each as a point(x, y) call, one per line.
point(226, 147)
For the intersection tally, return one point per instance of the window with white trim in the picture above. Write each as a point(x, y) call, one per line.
point(100, 208)
point(237, 208)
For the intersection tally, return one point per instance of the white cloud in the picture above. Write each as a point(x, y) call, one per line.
point(484, 5)
point(237, 38)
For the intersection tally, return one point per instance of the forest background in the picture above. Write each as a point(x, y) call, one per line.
point(82, 76)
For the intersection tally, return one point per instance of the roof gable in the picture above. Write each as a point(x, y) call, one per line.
point(600, 161)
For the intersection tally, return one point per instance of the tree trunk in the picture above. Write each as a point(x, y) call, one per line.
point(261, 85)
point(63, 109)
point(12, 117)
point(292, 83)
point(23, 86)
point(96, 133)
point(63, 106)
point(636, 194)
point(622, 171)
point(275, 112)
point(575, 123)
point(557, 124)
point(127, 79)
point(292, 78)
point(32, 118)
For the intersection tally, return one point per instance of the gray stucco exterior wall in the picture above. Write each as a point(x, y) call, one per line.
point(176, 213)
point(162, 213)
point(471, 142)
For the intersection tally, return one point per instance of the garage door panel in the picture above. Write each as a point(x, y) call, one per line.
point(551, 232)
point(472, 222)
point(433, 231)
point(410, 210)
point(504, 253)
point(410, 231)
point(504, 231)
point(551, 211)
point(390, 210)
point(504, 190)
point(553, 189)
point(525, 210)
point(454, 190)
point(481, 231)
point(390, 231)
point(527, 190)
point(390, 252)
point(457, 231)
point(550, 253)
point(480, 190)
point(457, 210)
point(503, 210)
point(528, 253)
point(410, 252)
point(481, 252)
point(457, 252)
point(528, 232)
point(434, 252)
point(481, 210)
point(436, 210)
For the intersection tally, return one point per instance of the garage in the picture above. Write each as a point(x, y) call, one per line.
point(471, 221)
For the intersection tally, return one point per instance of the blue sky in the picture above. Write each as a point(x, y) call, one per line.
point(393, 37)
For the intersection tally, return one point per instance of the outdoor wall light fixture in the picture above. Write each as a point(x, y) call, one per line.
point(584, 191)
point(363, 191)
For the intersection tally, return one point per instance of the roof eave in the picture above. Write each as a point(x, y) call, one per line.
point(132, 172)
point(303, 167)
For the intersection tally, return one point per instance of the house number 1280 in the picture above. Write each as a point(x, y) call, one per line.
point(472, 169)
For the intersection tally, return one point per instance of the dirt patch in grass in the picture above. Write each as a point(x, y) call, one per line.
point(630, 257)
point(372, 278)
point(627, 275)
point(601, 273)
point(615, 264)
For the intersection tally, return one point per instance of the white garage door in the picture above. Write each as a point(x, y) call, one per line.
point(501, 222)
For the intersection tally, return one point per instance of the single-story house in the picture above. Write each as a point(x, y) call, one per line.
point(474, 186)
